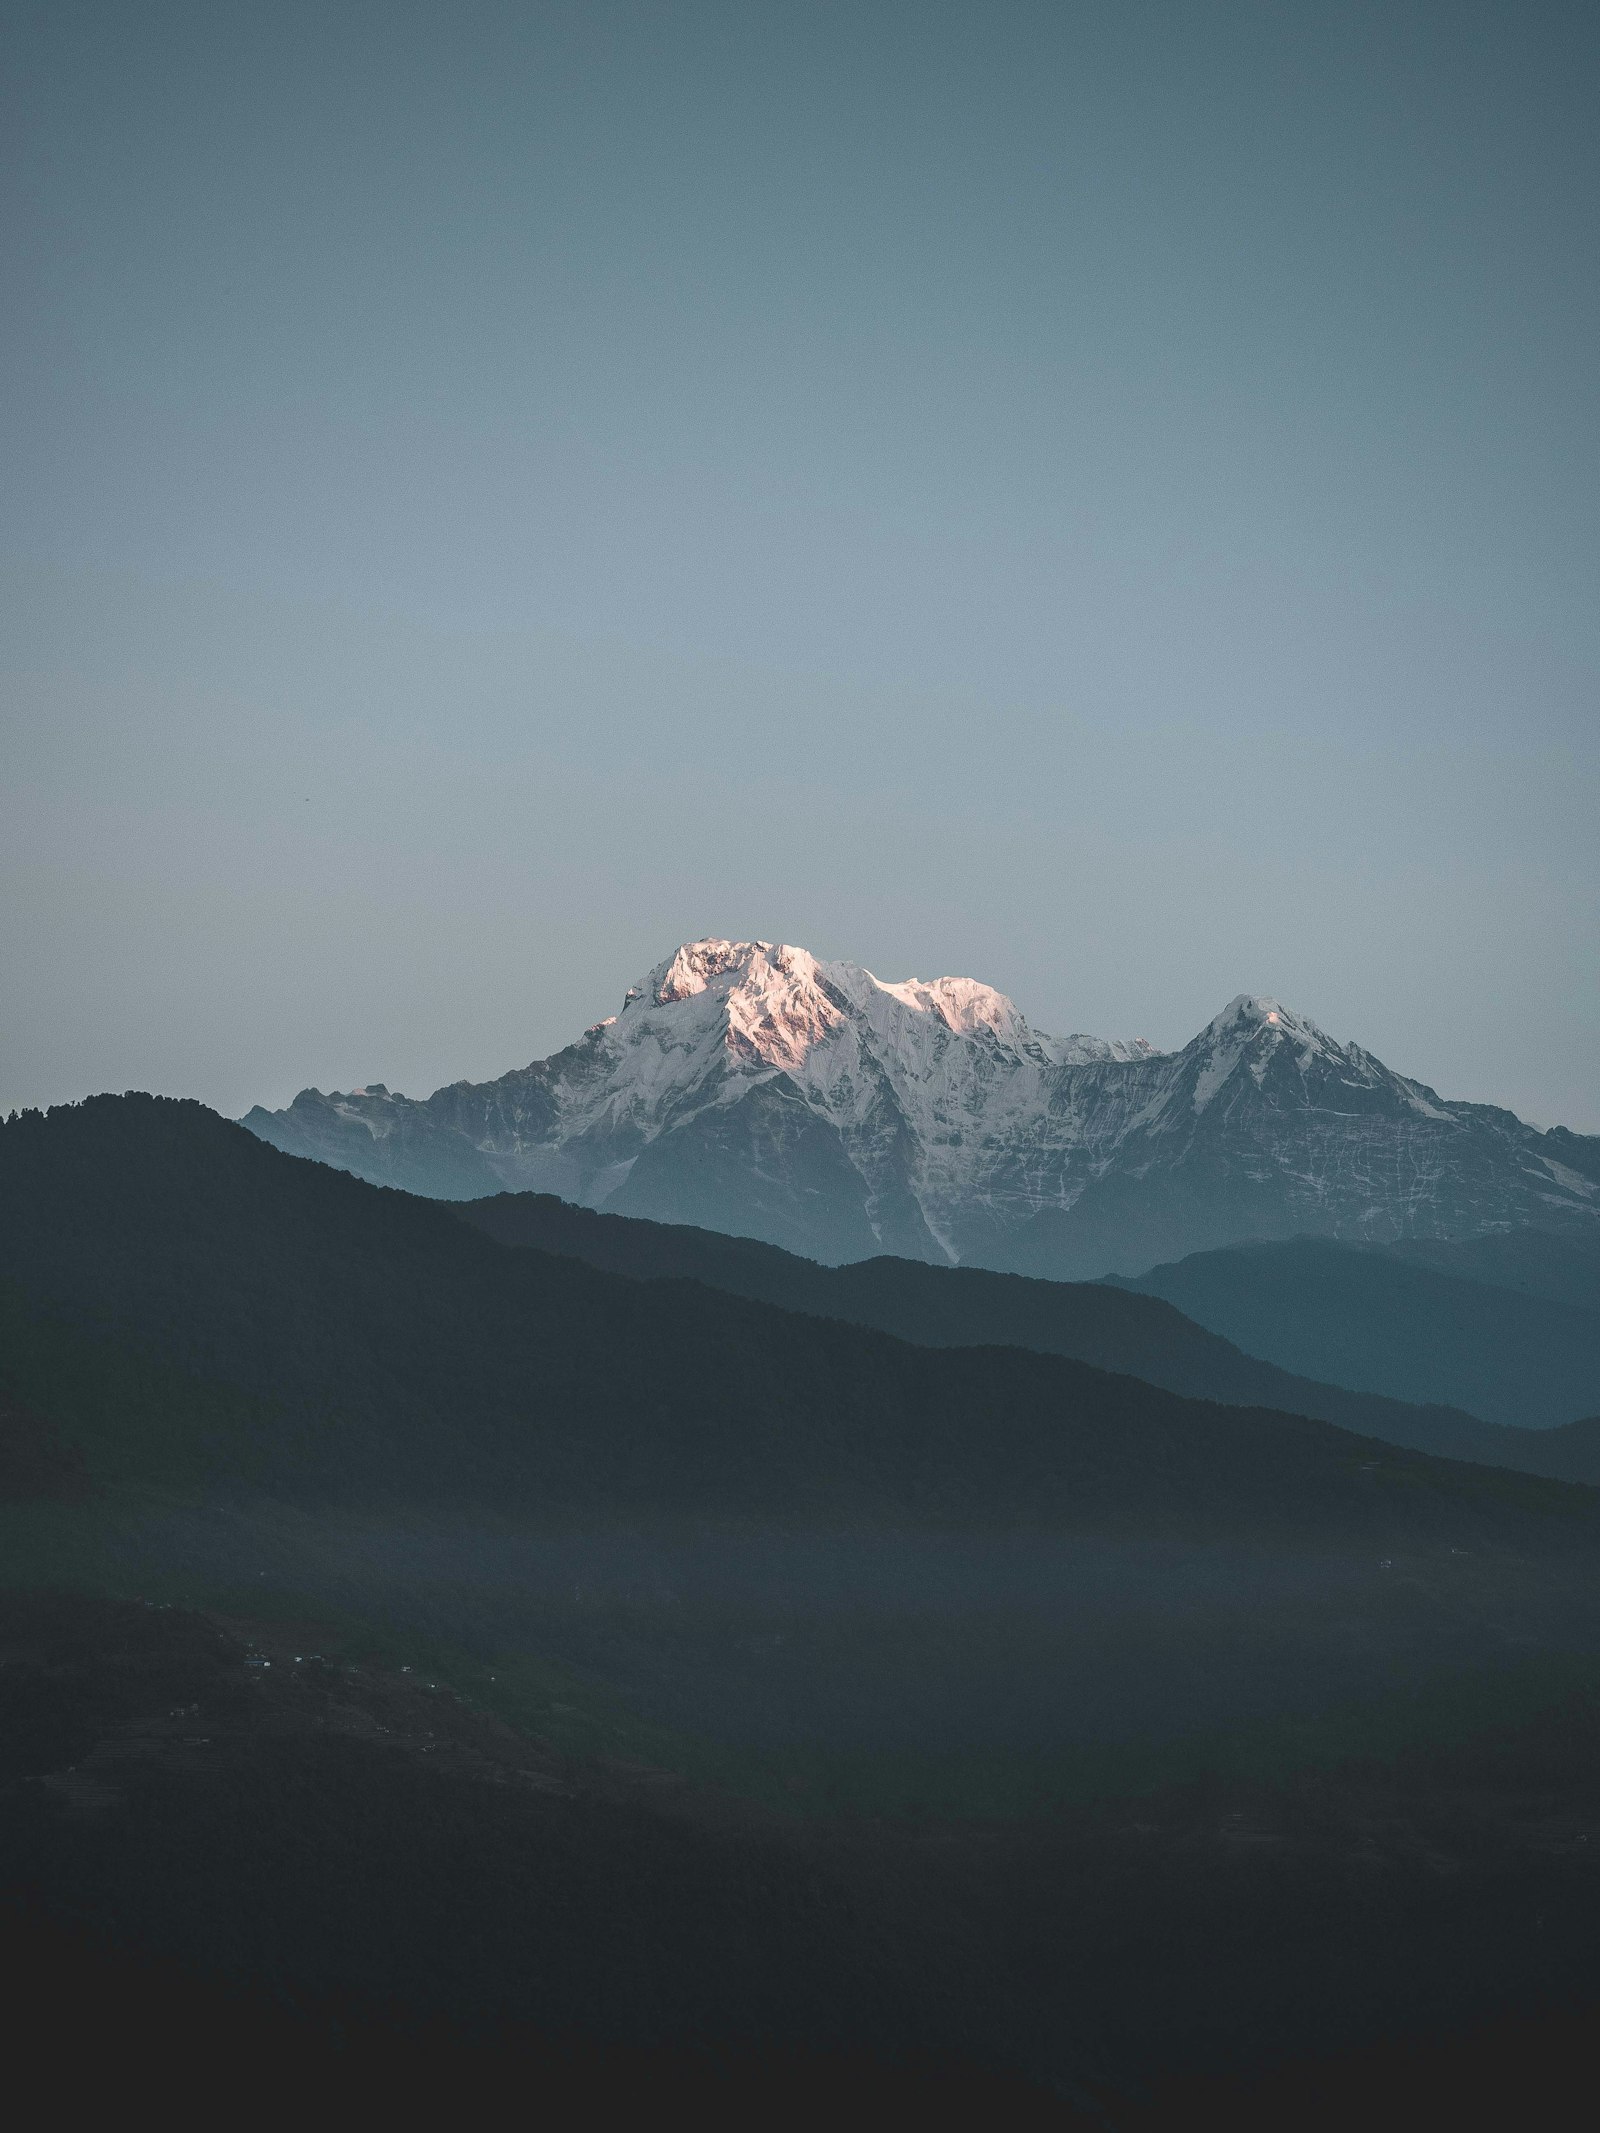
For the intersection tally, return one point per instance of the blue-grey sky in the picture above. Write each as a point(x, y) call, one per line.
point(1102, 498)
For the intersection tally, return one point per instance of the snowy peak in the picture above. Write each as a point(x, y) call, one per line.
point(775, 1005)
point(722, 967)
point(1249, 1016)
point(781, 976)
point(763, 997)
point(962, 1004)
point(750, 1086)
point(1247, 1036)
point(1262, 1038)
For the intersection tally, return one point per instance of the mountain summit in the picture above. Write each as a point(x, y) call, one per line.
point(775, 1005)
point(748, 1086)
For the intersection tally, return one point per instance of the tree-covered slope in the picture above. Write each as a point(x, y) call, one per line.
point(1563, 1265)
point(1110, 1326)
point(384, 1350)
point(1396, 1325)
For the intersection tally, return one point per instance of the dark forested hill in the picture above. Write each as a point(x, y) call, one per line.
point(374, 1346)
point(1430, 1324)
point(840, 1715)
point(1563, 1265)
point(1113, 1327)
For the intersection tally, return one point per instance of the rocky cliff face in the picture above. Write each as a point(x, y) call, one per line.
point(748, 1087)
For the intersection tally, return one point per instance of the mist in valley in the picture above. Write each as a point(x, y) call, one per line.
point(759, 1648)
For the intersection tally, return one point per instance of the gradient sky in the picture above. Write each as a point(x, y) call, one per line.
point(1101, 498)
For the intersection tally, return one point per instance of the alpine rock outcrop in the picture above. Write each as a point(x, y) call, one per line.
point(746, 1086)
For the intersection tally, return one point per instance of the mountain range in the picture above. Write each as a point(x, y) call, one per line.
point(427, 1634)
point(1383, 1321)
point(330, 1342)
point(1484, 1372)
point(748, 1087)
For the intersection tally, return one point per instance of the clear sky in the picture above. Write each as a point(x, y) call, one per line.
point(1100, 498)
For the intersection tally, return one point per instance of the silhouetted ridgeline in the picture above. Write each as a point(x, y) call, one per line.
point(1113, 1326)
point(1563, 1265)
point(384, 1350)
point(1406, 1324)
point(627, 1690)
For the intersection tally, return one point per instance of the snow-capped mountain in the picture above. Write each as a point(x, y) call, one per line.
point(746, 1086)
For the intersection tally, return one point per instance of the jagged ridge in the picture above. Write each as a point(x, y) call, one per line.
point(747, 1086)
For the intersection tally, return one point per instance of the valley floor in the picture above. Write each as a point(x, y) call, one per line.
point(305, 1834)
